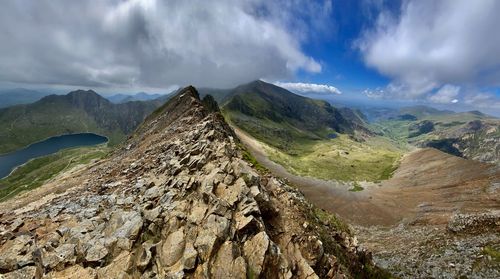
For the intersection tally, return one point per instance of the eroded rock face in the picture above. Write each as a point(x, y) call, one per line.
point(176, 202)
point(476, 140)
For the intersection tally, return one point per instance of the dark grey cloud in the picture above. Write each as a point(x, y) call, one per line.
point(148, 43)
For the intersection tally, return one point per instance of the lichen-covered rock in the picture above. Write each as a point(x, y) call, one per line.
point(96, 253)
point(16, 253)
point(172, 248)
point(255, 251)
point(228, 263)
point(27, 272)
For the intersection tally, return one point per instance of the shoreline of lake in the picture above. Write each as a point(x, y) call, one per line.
point(54, 145)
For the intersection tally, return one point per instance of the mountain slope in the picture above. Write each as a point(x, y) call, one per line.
point(472, 135)
point(176, 201)
point(78, 111)
point(477, 140)
point(282, 119)
point(310, 137)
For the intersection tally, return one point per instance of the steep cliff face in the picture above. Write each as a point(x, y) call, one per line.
point(176, 201)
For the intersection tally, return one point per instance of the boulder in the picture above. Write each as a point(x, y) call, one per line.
point(172, 248)
point(16, 252)
point(228, 264)
point(74, 272)
point(96, 253)
point(255, 250)
point(189, 257)
point(27, 272)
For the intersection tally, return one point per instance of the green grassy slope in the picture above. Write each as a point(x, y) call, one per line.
point(283, 119)
point(310, 137)
point(342, 159)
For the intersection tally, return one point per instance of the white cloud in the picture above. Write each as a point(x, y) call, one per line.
point(377, 93)
point(483, 100)
point(309, 87)
point(153, 43)
point(447, 94)
point(434, 43)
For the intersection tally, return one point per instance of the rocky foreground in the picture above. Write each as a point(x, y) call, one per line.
point(176, 201)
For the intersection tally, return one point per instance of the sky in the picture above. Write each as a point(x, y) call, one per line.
point(444, 53)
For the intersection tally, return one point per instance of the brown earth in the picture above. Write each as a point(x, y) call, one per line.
point(428, 187)
point(435, 218)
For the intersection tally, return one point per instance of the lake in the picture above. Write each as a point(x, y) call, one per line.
point(10, 161)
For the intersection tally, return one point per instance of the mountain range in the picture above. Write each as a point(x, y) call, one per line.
point(471, 134)
point(17, 96)
point(141, 96)
point(78, 111)
point(178, 200)
point(192, 192)
point(275, 115)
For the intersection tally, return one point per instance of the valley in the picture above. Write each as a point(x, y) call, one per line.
point(77, 112)
point(377, 176)
point(436, 205)
point(310, 137)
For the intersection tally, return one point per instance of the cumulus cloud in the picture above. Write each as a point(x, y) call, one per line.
point(434, 43)
point(447, 94)
point(155, 43)
point(309, 87)
point(377, 93)
point(483, 100)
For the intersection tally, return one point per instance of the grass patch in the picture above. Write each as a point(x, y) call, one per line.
point(341, 159)
point(387, 172)
point(332, 220)
point(37, 171)
point(492, 252)
point(249, 158)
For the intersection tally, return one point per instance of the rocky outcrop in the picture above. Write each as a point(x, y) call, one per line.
point(176, 201)
point(476, 140)
point(422, 127)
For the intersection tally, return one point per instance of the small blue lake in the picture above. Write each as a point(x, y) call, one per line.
point(10, 161)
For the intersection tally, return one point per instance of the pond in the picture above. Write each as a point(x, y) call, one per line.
point(10, 161)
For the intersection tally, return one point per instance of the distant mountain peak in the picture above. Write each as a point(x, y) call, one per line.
point(83, 92)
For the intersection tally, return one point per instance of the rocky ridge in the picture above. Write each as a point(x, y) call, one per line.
point(176, 201)
point(476, 140)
